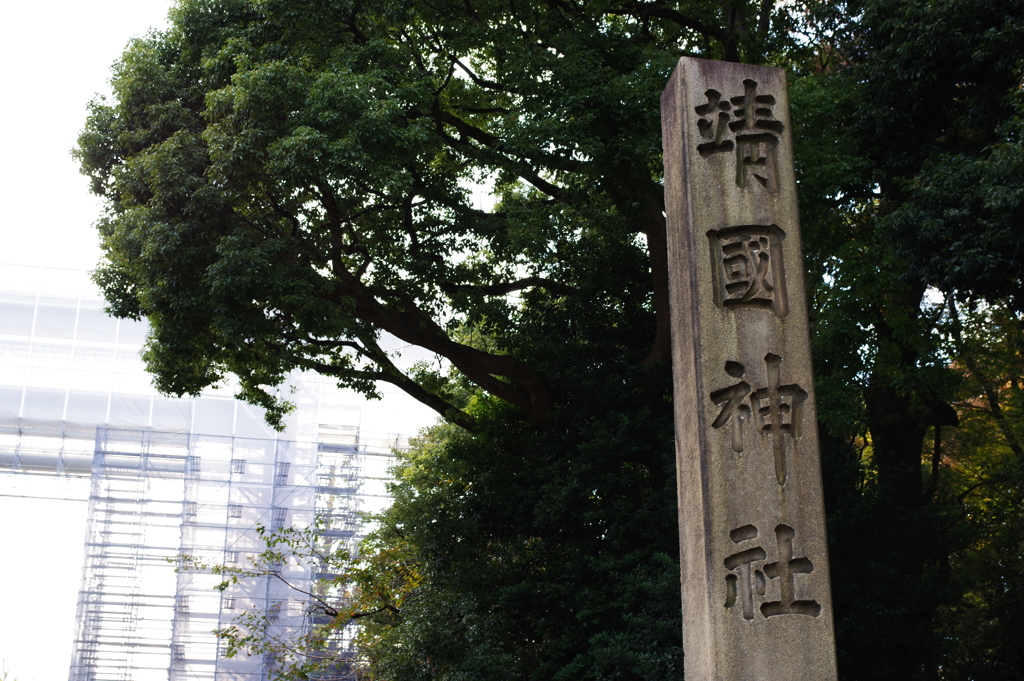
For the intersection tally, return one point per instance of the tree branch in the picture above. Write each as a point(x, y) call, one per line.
point(529, 391)
point(660, 11)
point(657, 246)
point(506, 288)
point(391, 374)
point(933, 481)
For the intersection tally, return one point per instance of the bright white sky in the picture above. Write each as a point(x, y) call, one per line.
point(56, 57)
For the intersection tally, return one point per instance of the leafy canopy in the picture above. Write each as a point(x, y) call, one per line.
point(287, 181)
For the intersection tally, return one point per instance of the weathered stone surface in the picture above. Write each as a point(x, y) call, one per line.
point(756, 600)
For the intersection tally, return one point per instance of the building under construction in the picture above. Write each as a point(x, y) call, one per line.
point(172, 480)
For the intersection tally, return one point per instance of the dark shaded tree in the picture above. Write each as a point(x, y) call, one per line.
point(543, 557)
point(911, 195)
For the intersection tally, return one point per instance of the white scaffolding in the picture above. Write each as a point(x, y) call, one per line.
point(155, 496)
point(170, 477)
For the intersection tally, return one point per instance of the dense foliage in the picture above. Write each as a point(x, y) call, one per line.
point(543, 558)
point(912, 198)
point(287, 180)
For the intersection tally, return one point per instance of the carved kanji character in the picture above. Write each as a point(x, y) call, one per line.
point(784, 569)
point(755, 133)
point(748, 267)
point(748, 581)
point(733, 397)
point(777, 411)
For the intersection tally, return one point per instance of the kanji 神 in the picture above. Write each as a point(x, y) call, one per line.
point(750, 574)
point(748, 267)
point(743, 123)
point(775, 408)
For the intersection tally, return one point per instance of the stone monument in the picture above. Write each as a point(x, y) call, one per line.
point(755, 584)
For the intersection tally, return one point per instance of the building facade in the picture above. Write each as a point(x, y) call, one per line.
point(176, 477)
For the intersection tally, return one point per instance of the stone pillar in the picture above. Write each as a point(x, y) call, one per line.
point(755, 584)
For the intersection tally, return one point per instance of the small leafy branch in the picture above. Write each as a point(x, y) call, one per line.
point(315, 644)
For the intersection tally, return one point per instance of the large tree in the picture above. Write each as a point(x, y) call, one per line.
point(286, 181)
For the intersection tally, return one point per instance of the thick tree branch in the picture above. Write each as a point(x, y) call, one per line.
point(506, 288)
point(388, 607)
point(465, 129)
point(391, 374)
point(482, 82)
point(528, 391)
point(495, 157)
point(491, 110)
point(469, 131)
point(660, 11)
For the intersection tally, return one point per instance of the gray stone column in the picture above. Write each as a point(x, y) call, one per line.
point(755, 579)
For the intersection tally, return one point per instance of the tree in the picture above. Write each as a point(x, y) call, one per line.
point(910, 194)
point(485, 567)
point(985, 460)
point(286, 181)
point(543, 557)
